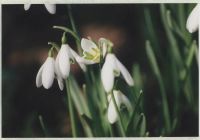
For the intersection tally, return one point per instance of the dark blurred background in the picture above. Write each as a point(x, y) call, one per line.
point(24, 49)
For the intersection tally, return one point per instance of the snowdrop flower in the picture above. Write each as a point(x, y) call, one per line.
point(192, 24)
point(92, 52)
point(111, 68)
point(64, 59)
point(120, 99)
point(45, 75)
point(51, 8)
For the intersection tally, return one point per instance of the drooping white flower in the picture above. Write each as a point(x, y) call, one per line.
point(92, 52)
point(192, 24)
point(120, 99)
point(51, 8)
point(45, 75)
point(112, 68)
point(64, 58)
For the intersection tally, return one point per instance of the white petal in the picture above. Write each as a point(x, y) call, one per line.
point(78, 59)
point(122, 99)
point(60, 83)
point(107, 73)
point(193, 20)
point(57, 69)
point(63, 61)
point(48, 73)
point(27, 6)
point(125, 73)
point(87, 45)
point(51, 8)
point(112, 113)
point(103, 44)
point(39, 77)
point(58, 74)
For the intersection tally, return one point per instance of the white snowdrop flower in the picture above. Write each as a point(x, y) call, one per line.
point(92, 52)
point(120, 99)
point(112, 68)
point(45, 75)
point(192, 24)
point(64, 59)
point(51, 8)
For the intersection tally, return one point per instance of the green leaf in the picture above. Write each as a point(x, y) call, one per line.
point(154, 66)
point(129, 128)
point(87, 125)
point(78, 98)
point(142, 125)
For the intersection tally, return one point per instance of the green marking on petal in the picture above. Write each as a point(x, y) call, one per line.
point(116, 73)
point(93, 55)
point(87, 55)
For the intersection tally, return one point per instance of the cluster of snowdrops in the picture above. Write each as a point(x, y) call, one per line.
point(57, 65)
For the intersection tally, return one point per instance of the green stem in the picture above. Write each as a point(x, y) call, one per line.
point(71, 110)
point(118, 113)
point(74, 27)
point(67, 30)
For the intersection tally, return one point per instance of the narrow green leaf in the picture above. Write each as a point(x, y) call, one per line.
point(141, 125)
point(71, 110)
point(130, 125)
point(87, 125)
point(172, 41)
point(42, 125)
point(154, 66)
point(191, 54)
point(78, 98)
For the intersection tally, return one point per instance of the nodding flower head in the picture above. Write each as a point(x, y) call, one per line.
point(120, 99)
point(192, 24)
point(58, 68)
point(51, 8)
point(64, 58)
point(92, 52)
point(45, 75)
point(112, 68)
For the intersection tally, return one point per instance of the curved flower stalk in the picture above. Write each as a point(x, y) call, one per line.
point(64, 59)
point(51, 8)
point(112, 68)
point(91, 52)
point(192, 24)
point(120, 99)
point(46, 74)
